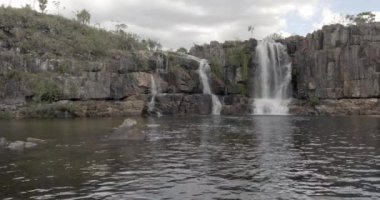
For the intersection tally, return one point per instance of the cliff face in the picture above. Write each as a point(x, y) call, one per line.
point(232, 62)
point(337, 62)
point(54, 67)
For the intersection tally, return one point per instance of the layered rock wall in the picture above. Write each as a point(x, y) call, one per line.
point(337, 62)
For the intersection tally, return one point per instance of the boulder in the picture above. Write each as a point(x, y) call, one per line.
point(186, 81)
point(200, 104)
point(128, 123)
point(236, 105)
point(28, 145)
point(3, 142)
point(36, 140)
point(169, 104)
point(16, 146)
point(128, 130)
point(172, 104)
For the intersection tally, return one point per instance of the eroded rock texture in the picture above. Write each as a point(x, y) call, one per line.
point(337, 62)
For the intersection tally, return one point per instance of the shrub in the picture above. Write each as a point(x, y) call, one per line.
point(51, 110)
point(314, 100)
point(46, 91)
point(4, 115)
point(217, 69)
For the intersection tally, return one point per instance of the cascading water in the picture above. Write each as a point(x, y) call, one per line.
point(154, 92)
point(272, 79)
point(204, 69)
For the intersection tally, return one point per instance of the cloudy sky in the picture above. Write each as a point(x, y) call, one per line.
point(177, 23)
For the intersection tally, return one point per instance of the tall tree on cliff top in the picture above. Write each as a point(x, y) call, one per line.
point(362, 18)
point(57, 4)
point(43, 5)
point(83, 16)
point(251, 29)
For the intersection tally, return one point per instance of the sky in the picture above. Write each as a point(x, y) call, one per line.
point(183, 23)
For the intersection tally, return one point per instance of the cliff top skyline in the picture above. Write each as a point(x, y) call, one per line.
point(177, 23)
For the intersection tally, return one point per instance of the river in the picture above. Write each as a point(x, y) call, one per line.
point(210, 157)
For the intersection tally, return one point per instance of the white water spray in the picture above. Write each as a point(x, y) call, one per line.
point(203, 71)
point(272, 79)
point(154, 92)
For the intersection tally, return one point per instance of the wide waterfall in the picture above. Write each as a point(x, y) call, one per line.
point(204, 69)
point(272, 79)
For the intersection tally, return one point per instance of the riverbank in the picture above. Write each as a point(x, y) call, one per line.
point(182, 105)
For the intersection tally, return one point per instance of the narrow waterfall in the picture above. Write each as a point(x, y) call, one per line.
point(204, 70)
point(154, 92)
point(272, 79)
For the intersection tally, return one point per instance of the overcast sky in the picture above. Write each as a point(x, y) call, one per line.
point(177, 23)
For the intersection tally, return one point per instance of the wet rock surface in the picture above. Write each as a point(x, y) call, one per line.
point(20, 145)
point(129, 130)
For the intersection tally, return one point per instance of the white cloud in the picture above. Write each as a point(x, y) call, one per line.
point(377, 16)
point(330, 17)
point(184, 22)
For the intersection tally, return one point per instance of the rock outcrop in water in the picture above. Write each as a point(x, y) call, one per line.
point(20, 145)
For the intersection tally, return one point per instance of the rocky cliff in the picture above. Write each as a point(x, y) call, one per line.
point(54, 67)
point(337, 62)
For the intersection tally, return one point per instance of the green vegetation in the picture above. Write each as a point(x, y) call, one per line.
point(57, 110)
point(361, 18)
point(251, 29)
point(275, 36)
point(239, 57)
point(4, 115)
point(152, 44)
point(314, 100)
point(46, 91)
point(55, 36)
point(217, 69)
point(42, 5)
point(182, 50)
point(83, 16)
point(243, 89)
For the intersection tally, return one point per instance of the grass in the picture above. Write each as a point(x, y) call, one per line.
point(40, 34)
point(55, 110)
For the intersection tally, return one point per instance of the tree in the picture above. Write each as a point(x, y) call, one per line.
point(83, 16)
point(361, 18)
point(251, 29)
point(43, 5)
point(182, 50)
point(120, 28)
point(57, 5)
point(152, 45)
point(275, 36)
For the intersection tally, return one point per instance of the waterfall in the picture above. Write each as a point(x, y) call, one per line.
point(204, 69)
point(272, 79)
point(154, 92)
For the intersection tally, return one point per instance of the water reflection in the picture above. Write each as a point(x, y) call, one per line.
point(275, 151)
point(196, 158)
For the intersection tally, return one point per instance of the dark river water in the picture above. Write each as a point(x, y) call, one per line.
point(195, 158)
